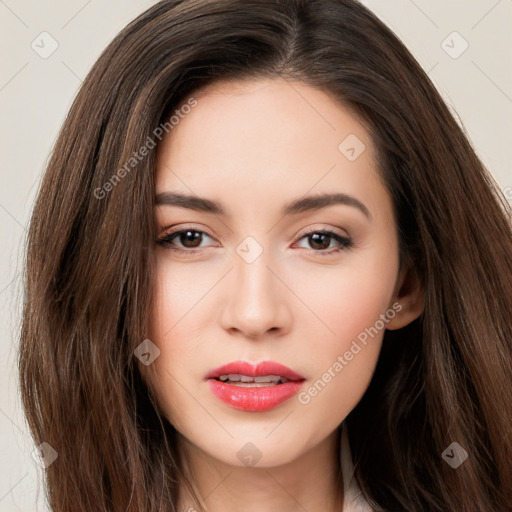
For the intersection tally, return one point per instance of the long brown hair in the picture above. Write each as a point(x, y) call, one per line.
point(445, 378)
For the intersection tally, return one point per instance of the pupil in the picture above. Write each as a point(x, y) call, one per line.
point(315, 237)
point(190, 236)
point(190, 239)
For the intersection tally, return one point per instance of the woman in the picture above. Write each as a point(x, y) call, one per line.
point(264, 256)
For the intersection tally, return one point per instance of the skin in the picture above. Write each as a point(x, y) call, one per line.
point(254, 146)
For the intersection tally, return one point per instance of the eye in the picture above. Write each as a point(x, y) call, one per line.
point(189, 238)
point(321, 240)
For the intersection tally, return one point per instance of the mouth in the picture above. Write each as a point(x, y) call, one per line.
point(245, 381)
point(254, 388)
point(242, 373)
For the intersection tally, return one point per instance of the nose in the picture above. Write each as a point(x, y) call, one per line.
point(258, 304)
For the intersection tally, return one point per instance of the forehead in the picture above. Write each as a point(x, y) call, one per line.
point(262, 139)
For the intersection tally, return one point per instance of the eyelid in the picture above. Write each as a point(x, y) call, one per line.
point(345, 241)
point(171, 231)
point(317, 228)
point(306, 231)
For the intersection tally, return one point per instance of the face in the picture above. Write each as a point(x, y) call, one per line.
point(309, 288)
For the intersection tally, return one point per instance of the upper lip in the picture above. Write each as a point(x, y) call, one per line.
point(254, 370)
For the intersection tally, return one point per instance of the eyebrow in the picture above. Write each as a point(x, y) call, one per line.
point(309, 203)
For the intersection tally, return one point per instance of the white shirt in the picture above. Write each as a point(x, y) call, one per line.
point(354, 500)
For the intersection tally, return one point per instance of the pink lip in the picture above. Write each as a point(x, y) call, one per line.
point(259, 370)
point(256, 399)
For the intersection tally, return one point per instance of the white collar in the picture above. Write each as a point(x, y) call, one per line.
point(354, 501)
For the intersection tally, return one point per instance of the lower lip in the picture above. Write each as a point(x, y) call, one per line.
point(254, 399)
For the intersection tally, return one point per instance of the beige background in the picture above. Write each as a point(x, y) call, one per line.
point(36, 92)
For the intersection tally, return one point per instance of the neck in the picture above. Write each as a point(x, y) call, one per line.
point(311, 481)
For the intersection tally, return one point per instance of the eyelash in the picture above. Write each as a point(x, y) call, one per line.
point(345, 242)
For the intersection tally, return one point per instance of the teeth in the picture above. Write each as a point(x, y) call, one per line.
point(267, 378)
point(275, 379)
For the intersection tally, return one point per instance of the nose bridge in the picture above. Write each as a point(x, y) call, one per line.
point(253, 276)
point(257, 303)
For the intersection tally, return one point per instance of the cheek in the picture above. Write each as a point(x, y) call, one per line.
point(357, 303)
point(344, 362)
point(354, 314)
point(182, 310)
point(351, 297)
point(173, 328)
point(178, 290)
point(344, 355)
